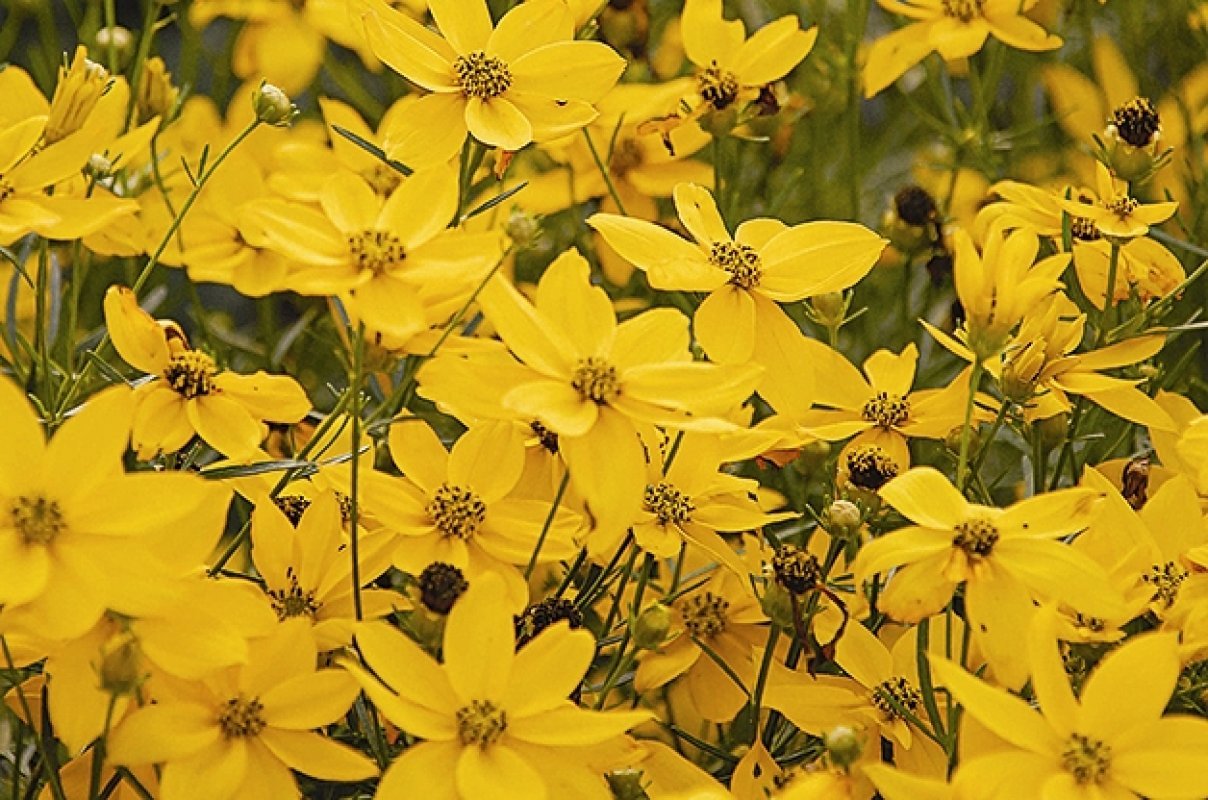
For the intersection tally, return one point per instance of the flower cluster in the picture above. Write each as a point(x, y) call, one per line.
point(528, 400)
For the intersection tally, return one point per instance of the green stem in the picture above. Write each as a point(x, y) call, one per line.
point(962, 464)
point(765, 668)
point(856, 22)
point(549, 521)
point(354, 512)
point(140, 59)
point(49, 762)
point(600, 165)
point(1108, 318)
point(111, 47)
point(98, 750)
point(984, 450)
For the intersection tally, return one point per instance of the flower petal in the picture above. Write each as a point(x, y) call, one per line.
point(480, 641)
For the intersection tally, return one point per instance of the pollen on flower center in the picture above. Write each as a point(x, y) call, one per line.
point(293, 506)
point(482, 76)
point(1165, 580)
point(240, 717)
point(376, 251)
point(481, 723)
point(894, 695)
point(887, 410)
point(1089, 760)
point(1136, 122)
point(7, 190)
point(596, 380)
point(976, 537)
point(545, 437)
point(1084, 229)
point(870, 467)
point(456, 511)
point(740, 260)
point(705, 614)
point(1122, 207)
point(191, 373)
point(719, 87)
point(293, 601)
point(668, 504)
point(964, 10)
point(36, 519)
point(795, 569)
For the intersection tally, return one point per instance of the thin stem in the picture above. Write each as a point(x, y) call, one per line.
point(98, 749)
point(1108, 319)
point(962, 465)
point(549, 521)
point(354, 512)
point(612, 189)
point(49, 763)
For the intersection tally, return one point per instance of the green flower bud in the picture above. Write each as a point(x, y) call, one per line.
point(273, 106)
point(122, 670)
point(844, 746)
point(652, 626)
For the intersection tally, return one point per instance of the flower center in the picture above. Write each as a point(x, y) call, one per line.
point(545, 437)
point(626, 155)
point(293, 506)
point(1089, 760)
point(740, 260)
point(241, 717)
point(7, 190)
point(895, 695)
point(440, 585)
point(456, 511)
point(191, 373)
point(668, 504)
point(1137, 122)
point(376, 251)
point(1084, 229)
point(976, 537)
point(539, 616)
point(293, 601)
point(36, 519)
point(719, 87)
point(887, 410)
point(1122, 207)
point(964, 10)
point(705, 614)
point(796, 570)
point(870, 467)
point(482, 76)
point(596, 380)
point(481, 723)
point(1166, 580)
point(915, 206)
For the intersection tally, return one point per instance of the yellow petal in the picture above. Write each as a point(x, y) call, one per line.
point(773, 51)
point(318, 756)
point(575, 70)
point(607, 467)
point(581, 312)
point(465, 23)
point(1164, 758)
point(818, 257)
point(557, 405)
point(497, 773)
point(724, 325)
point(568, 725)
point(1113, 700)
point(498, 123)
point(421, 206)
point(698, 211)
point(309, 701)
point(902, 546)
point(350, 203)
point(707, 36)
point(479, 642)
point(1004, 714)
point(1112, 72)
point(406, 46)
point(224, 424)
point(1049, 678)
point(672, 262)
point(162, 732)
point(530, 26)
point(425, 769)
point(418, 452)
point(276, 398)
point(530, 336)
point(548, 669)
point(137, 338)
point(431, 134)
point(919, 590)
point(488, 458)
point(926, 497)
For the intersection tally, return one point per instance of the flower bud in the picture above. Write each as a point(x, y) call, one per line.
point(1022, 371)
point(1132, 135)
point(844, 745)
point(440, 585)
point(156, 95)
point(626, 784)
point(118, 39)
point(843, 517)
point(273, 106)
point(1053, 430)
point(777, 605)
point(98, 167)
point(652, 626)
point(523, 228)
point(830, 309)
point(80, 87)
point(911, 222)
point(122, 670)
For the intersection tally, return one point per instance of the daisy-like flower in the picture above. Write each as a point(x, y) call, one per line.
point(1117, 215)
point(593, 382)
point(953, 28)
point(730, 67)
point(496, 722)
point(73, 527)
point(1004, 558)
point(1111, 741)
point(307, 569)
point(386, 254)
point(765, 263)
point(525, 80)
point(189, 394)
point(240, 731)
point(454, 507)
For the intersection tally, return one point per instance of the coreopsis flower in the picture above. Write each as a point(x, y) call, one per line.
point(307, 568)
point(388, 255)
point(997, 286)
point(746, 276)
point(881, 409)
point(1115, 214)
point(75, 529)
point(189, 395)
point(1111, 741)
point(239, 732)
point(524, 80)
point(495, 722)
point(953, 28)
point(1004, 558)
point(731, 68)
point(593, 382)
point(723, 616)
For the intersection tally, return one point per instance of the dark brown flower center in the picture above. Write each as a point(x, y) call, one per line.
point(481, 723)
point(191, 373)
point(482, 76)
point(668, 504)
point(1089, 760)
point(456, 511)
point(704, 614)
point(596, 380)
point(740, 260)
point(976, 537)
point(240, 717)
point(718, 87)
point(1137, 122)
point(887, 410)
point(376, 251)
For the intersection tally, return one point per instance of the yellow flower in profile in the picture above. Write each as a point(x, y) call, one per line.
point(746, 275)
point(495, 722)
point(239, 732)
point(953, 28)
point(1004, 558)
point(1111, 741)
point(189, 394)
point(455, 507)
point(730, 67)
point(1116, 214)
point(526, 79)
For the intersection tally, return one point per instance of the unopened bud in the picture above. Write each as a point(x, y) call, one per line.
point(843, 517)
point(830, 309)
point(122, 668)
point(777, 605)
point(651, 627)
point(80, 87)
point(626, 784)
point(117, 39)
point(523, 228)
point(273, 106)
point(1053, 430)
point(156, 95)
point(98, 167)
point(843, 745)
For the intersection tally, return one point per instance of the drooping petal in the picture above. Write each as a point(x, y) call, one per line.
point(318, 756)
point(479, 642)
point(137, 338)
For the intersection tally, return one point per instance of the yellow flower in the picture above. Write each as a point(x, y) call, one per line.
point(76, 532)
point(496, 722)
point(765, 263)
point(525, 80)
point(953, 28)
point(189, 394)
point(1184, 450)
point(307, 569)
point(1116, 214)
point(1004, 557)
point(80, 86)
point(1111, 741)
point(392, 256)
point(729, 66)
point(239, 732)
point(454, 507)
point(594, 382)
